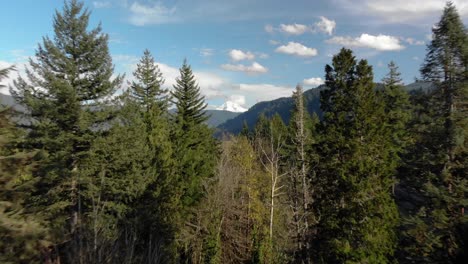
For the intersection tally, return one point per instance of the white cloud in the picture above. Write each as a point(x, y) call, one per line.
point(380, 42)
point(293, 29)
point(415, 42)
point(206, 52)
point(101, 4)
point(211, 85)
point(403, 10)
point(297, 49)
point(314, 81)
point(20, 69)
point(255, 68)
point(262, 55)
point(265, 92)
point(239, 55)
point(325, 25)
point(156, 14)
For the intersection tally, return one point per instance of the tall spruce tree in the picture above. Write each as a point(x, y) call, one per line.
point(147, 87)
point(63, 94)
point(438, 231)
point(357, 213)
point(152, 209)
point(195, 149)
point(397, 108)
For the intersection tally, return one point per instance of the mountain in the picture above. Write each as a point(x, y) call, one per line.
point(283, 106)
point(232, 107)
point(217, 117)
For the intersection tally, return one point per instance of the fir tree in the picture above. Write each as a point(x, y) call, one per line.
point(63, 94)
point(147, 88)
point(443, 165)
point(397, 107)
point(152, 209)
point(195, 150)
point(357, 213)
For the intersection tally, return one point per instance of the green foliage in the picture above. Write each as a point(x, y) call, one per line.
point(195, 149)
point(22, 234)
point(63, 94)
point(397, 109)
point(440, 164)
point(357, 213)
point(147, 88)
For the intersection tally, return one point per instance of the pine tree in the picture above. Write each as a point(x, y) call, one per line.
point(152, 209)
point(195, 150)
point(397, 108)
point(443, 165)
point(63, 94)
point(189, 102)
point(357, 213)
point(147, 88)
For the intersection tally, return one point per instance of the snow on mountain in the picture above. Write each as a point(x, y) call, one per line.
point(232, 107)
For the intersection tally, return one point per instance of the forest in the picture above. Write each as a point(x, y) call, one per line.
point(92, 175)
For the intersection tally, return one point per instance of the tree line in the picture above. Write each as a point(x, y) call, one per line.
point(89, 175)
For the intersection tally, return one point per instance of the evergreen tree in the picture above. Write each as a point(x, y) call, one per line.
point(195, 151)
point(64, 92)
point(438, 231)
point(147, 88)
point(23, 234)
point(189, 102)
point(397, 108)
point(357, 213)
point(152, 209)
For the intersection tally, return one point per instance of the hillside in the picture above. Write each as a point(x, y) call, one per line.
point(283, 107)
point(217, 117)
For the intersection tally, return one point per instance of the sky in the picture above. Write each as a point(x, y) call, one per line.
point(241, 51)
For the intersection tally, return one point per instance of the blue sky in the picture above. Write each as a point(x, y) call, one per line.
point(241, 51)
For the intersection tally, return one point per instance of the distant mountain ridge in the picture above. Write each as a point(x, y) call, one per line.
point(283, 106)
point(217, 117)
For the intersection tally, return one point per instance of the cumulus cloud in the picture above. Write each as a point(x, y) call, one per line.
point(293, 29)
point(325, 25)
point(239, 55)
point(210, 84)
point(314, 81)
point(380, 42)
point(157, 13)
point(297, 49)
point(255, 68)
point(265, 92)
